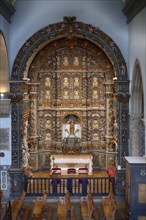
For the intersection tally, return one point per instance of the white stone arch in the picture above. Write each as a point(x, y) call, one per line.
point(5, 119)
point(137, 128)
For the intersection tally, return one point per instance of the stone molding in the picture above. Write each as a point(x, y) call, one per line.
point(132, 8)
point(6, 10)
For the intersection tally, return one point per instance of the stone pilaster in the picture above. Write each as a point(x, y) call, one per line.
point(137, 135)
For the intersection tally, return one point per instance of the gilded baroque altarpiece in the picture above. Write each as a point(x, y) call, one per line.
point(74, 71)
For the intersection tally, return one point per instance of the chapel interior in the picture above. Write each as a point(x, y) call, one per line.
point(72, 110)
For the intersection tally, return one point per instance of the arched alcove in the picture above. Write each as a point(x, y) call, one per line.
point(4, 69)
point(70, 68)
point(137, 129)
point(5, 119)
point(4, 90)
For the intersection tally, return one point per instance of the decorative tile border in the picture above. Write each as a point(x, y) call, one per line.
point(4, 180)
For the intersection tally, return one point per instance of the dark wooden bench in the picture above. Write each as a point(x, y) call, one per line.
point(16, 205)
point(64, 207)
point(1, 195)
point(26, 213)
point(39, 205)
point(49, 213)
point(87, 206)
point(96, 214)
point(109, 205)
point(61, 209)
point(73, 216)
point(67, 198)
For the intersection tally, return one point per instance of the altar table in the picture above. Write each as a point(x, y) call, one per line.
point(71, 161)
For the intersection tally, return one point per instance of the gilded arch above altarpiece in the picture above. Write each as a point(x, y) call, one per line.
point(69, 29)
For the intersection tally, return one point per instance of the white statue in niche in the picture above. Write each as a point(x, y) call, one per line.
point(76, 94)
point(25, 149)
point(73, 131)
point(95, 94)
point(47, 82)
point(66, 94)
point(95, 137)
point(95, 81)
point(66, 81)
point(71, 128)
point(65, 61)
point(25, 155)
point(48, 94)
point(76, 81)
point(76, 61)
point(27, 169)
point(48, 137)
point(48, 123)
point(95, 123)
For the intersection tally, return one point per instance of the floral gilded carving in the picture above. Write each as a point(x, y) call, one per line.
point(73, 72)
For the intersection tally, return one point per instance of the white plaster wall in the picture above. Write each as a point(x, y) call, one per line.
point(32, 15)
point(6, 160)
point(137, 50)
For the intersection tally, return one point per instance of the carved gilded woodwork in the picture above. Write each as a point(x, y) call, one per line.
point(75, 89)
point(72, 69)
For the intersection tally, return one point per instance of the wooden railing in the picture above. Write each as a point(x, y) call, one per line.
point(76, 186)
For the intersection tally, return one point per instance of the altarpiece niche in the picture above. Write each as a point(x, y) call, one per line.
point(73, 82)
point(70, 75)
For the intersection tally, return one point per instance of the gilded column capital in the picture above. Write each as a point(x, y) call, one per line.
point(109, 95)
point(33, 95)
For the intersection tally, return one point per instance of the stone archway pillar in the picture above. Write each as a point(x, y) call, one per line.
point(136, 134)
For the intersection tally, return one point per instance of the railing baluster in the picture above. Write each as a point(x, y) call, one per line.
point(42, 186)
point(61, 187)
point(95, 185)
point(76, 186)
point(36, 185)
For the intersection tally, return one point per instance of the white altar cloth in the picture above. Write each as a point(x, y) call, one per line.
point(71, 161)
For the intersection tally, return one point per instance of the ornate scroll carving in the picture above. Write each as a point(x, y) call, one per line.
point(73, 74)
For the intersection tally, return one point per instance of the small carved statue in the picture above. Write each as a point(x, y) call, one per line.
point(72, 128)
point(27, 169)
point(25, 155)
